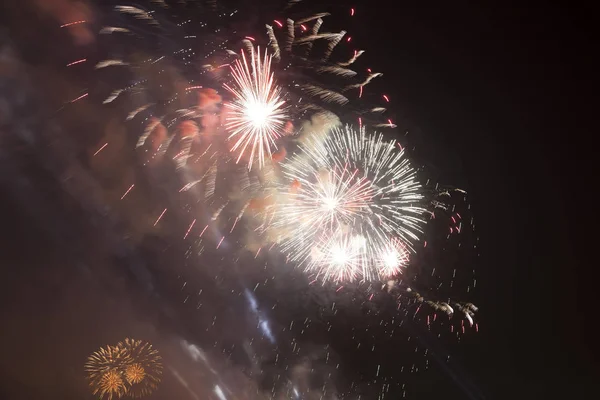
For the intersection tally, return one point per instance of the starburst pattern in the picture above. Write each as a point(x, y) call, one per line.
point(392, 257)
point(143, 368)
point(256, 114)
point(337, 257)
point(104, 373)
point(131, 368)
point(353, 186)
point(135, 373)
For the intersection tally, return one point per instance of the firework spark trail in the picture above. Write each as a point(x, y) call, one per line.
point(127, 191)
point(100, 149)
point(160, 216)
point(355, 192)
point(257, 113)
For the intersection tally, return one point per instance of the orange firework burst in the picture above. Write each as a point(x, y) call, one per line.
point(104, 370)
point(135, 373)
point(131, 368)
point(142, 368)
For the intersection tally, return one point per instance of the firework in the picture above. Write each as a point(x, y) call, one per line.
point(131, 368)
point(361, 194)
point(142, 368)
point(257, 115)
point(338, 255)
point(104, 372)
point(392, 257)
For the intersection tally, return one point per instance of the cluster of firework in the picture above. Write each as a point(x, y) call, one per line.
point(131, 368)
point(281, 139)
point(346, 204)
point(266, 142)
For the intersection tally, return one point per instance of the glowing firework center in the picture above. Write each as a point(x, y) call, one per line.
point(256, 115)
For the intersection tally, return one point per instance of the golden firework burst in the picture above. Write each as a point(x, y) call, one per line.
point(104, 372)
point(111, 382)
point(135, 373)
point(142, 368)
point(131, 368)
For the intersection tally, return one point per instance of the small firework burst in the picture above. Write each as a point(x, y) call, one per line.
point(135, 373)
point(111, 382)
point(337, 257)
point(104, 372)
point(142, 369)
point(257, 115)
point(391, 258)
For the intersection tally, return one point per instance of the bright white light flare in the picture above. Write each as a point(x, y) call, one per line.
point(256, 113)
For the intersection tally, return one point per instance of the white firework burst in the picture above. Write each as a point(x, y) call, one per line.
point(256, 113)
point(337, 256)
point(358, 191)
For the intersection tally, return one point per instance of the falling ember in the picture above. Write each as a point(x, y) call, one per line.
point(193, 88)
point(190, 228)
point(476, 327)
point(234, 223)
point(258, 252)
point(371, 297)
point(127, 191)
point(79, 98)
point(160, 216)
point(360, 92)
point(250, 38)
point(352, 12)
point(340, 288)
point(77, 62)
point(220, 241)
point(278, 23)
point(386, 98)
point(202, 233)
point(100, 149)
point(303, 27)
point(73, 23)
point(349, 39)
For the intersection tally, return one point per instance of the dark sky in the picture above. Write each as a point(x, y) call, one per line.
point(499, 98)
point(506, 89)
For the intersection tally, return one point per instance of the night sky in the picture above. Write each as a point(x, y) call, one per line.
point(495, 99)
